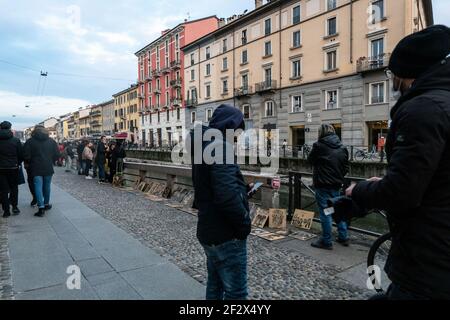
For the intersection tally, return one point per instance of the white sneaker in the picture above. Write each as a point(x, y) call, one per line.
point(88, 178)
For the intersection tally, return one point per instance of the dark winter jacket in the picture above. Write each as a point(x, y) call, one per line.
point(100, 156)
point(40, 152)
point(416, 188)
point(220, 190)
point(11, 153)
point(329, 159)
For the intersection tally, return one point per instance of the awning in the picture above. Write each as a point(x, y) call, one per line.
point(121, 135)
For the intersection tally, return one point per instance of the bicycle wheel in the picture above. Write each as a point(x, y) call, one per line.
point(360, 155)
point(376, 260)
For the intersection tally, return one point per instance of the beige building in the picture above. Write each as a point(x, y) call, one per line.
point(126, 113)
point(84, 122)
point(96, 121)
point(292, 65)
point(107, 117)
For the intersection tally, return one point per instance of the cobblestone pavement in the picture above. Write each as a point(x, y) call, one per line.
point(274, 272)
point(6, 292)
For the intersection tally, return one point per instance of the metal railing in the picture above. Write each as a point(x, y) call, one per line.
point(243, 91)
point(365, 64)
point(266, 86)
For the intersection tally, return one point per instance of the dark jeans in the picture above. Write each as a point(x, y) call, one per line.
point(87, 167)
point(322, 196)
point(9, 188)
point(227, 271)
point(101, 171)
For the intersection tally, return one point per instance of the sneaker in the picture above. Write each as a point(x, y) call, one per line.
point(320, 245)
point(48, 207)
point(40, 213)
point(6, 215)
point(33, 202)
point(88, 178)
point(344, 242)
point(15, 211)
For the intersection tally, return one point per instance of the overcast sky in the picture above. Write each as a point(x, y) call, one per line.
point(87, 47)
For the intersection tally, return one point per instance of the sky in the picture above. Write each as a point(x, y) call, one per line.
point(87, 48)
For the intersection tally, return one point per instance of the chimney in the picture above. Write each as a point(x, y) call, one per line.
point(221, 22)
point(258, 3)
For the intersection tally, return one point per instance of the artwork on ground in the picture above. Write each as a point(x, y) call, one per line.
point(302, 235)
point(266, 235)
point(277, 218)
point(302, 219)
point(261, 218)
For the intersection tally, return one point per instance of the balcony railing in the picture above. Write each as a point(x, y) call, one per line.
point(166, 69)
point(149, 77)
point(176, 82)
point(190, 103)
point(157, 91)
point(141, 96)
point(95, 113)
point(176, 101)
point(243, 91)
point(366, 64)
point(175, 64)
point(96, 124)
point(265, 86)
point(156, 73)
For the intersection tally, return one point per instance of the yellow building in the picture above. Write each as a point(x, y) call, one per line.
point(293, 65)
point(126, 113)
point(76, 125)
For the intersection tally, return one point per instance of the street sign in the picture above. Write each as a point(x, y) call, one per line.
point(276, 183)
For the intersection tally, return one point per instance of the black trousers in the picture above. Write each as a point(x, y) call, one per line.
point(31, 184)
point(9, 188)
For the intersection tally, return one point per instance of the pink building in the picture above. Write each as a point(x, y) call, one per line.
point(161, 87)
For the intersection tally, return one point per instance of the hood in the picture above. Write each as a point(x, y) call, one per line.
point(6, 134)
point(40, 134)
point(437, 78)
point(332, 141)
point(226, 117)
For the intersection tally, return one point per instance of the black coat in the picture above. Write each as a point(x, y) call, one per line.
point(100, 157)
point(221, 193)
point(40, 152)
point(329, 159)
point(11, 152)
point(416, 188)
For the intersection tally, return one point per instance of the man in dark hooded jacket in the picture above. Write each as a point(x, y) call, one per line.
point(11, 156)
point(40, 153)
point(416, 188)
point(223, 220)
point(329, 159)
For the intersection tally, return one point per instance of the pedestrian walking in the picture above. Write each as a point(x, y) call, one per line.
point(329, 159)
point(41, 152)
point(223, 220)
point(11, 156)
point(87, 156)
point(415, 192)
point(100, 159)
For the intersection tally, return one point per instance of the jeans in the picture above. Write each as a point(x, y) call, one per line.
point(101, 171)
point(68, 163)
point(322, 196)
point(42, 186)
point(227, 271)
point(87, 167)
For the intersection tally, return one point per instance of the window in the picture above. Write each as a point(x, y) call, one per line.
point(208, 53)
point(377, 49)
point(150, 101)
point(296, 39)
point(167, 82)
point(268, 76)
point(245, 82)
point(178, 114)
point(331, 4)
point(177, 41)
point(296, 15)
point(244, 37)
point(167, 115)
point(331, 100)
point(246, 111)
point(224, 63)
point(166, 47)
point(331, 60)
point(267, 27)
point(159, 117)
point(150, 118)
point(192, 75)
point(269, 109)
point(208, 90)
point(297, 104)
point(331, 26)
point(158, 84)
point(296, 69)
point(224, 45)
point(192, 116)
point(208, 114)
point(225, 86)
point(377, 11)
point(192, 59)
point(167, 99)
point(208, 69)
point(267, 48)
point(377, 93)
point(244, 57)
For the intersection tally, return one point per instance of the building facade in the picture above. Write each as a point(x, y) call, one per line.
point(108, 118)
point(293, 65)
point(96, 121)
point(126, 113)
point(161, 86)
point(84, 122)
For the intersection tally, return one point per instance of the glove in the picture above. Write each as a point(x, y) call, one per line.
point(345, 209)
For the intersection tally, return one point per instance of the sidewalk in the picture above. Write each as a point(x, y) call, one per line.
point(113, 264)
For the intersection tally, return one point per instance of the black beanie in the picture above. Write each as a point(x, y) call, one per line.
point(5, 125)
point(419, 51)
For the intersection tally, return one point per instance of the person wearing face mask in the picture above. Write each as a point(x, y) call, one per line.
point(415, 191)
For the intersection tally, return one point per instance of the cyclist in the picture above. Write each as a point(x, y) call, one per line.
point(416, 188)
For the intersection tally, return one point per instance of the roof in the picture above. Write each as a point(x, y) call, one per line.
point(170, 31)
point(131, 88)
point(252, 14)
point(105, 103)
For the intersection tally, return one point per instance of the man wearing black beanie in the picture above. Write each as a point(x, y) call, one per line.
point(416, 188)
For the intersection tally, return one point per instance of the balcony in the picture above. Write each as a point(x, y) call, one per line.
point(176, 82)
point(176, 64)
point(95, 113)
point(243, 91)
point(176, 102)
point(141, 96)
point(165, 70)
point(156, 73)
point(266, 86)
point(157, 91)
point(191, 103)
point(149, 77)
point(367, 64)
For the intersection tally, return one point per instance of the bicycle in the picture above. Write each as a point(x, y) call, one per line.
point(361, 155)
point(376, 259)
